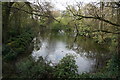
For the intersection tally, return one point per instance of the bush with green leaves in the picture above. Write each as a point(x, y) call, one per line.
point(29, 68)
point(66, 68)
point(111, 70)
point(17, 45)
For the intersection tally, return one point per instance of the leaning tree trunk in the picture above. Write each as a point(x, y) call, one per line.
point(118, 21)
point(5, 19)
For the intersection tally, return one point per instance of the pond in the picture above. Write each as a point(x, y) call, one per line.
point(52, 46)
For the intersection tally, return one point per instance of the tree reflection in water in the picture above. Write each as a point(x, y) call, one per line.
point(54, 46)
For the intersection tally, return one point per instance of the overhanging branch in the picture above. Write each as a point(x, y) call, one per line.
point(98, 18)
point(30, 12)
point(105, 31)
point(94, 17)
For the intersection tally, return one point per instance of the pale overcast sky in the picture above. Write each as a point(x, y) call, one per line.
point(61, 4)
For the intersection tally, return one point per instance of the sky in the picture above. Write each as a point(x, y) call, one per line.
point(62, 4)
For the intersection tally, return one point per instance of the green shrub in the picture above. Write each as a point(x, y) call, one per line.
point(17, 45)
point(28, 68)
point(10, 55)
point(113, 69)
point(66, 68)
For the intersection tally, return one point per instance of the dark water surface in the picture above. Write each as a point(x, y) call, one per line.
point(90, 56)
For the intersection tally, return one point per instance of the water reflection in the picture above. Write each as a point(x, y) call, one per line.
point(53, 47)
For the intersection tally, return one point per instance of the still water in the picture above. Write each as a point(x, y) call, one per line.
point(89, 55)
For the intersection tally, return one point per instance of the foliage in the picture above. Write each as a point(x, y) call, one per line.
point(62, 25)
point(17, 45)
point(66, 68)
point(28, 68)
point(20, 27)
point(56, 26)
point(113, 68)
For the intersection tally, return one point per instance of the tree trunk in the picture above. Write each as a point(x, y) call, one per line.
point(101, 22)
point(5, 19)
point(118, 21)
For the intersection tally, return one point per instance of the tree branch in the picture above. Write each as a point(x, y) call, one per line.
point(104, 31)
point(93, 17)
point(32, 12)
point(99, 18)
